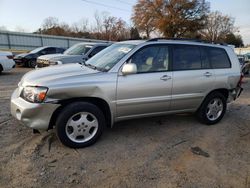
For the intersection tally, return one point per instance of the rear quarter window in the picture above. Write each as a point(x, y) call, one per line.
point(218, 58)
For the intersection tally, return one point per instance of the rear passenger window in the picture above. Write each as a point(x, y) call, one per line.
point(218, 58)
point(186, 58)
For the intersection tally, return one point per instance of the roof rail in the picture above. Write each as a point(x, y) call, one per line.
point(181, 39)
point(186, 39)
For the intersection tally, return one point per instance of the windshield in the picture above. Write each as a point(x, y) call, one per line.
point(78, 49)
point(36, 50)
point(111, 55)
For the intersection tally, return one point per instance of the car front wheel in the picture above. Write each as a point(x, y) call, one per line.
point(80, 124)
point(32, 63)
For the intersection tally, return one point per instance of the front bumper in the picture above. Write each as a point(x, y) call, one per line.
point(33, 115)
point(19, 61)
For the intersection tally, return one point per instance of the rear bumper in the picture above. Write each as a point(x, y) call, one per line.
point(235, 93)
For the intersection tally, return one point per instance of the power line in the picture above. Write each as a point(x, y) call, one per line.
point(125, 2)
point(104, 5)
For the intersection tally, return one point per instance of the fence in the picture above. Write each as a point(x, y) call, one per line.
point(28, 41)
point(242, 51)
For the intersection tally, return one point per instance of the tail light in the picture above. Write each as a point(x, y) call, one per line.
point(10, 56)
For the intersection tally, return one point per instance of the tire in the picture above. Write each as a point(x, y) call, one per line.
point(32, 63)
point(212, 109)
point(80, 124)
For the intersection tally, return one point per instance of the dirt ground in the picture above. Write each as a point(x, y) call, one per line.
point(151, 152)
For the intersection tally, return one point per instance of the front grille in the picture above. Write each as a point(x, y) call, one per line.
point(42, 63)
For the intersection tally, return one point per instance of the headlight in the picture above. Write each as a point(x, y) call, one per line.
point(34, 94)
point(55, 62)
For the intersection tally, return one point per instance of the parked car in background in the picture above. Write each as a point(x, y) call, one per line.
point(245, 63)
point(29, 59)
point(247, 57)
point(242, 61)
point(127, 80)
point(78, 53)
point(6, 61)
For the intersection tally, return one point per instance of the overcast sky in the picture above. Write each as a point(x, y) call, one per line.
point(28, 15)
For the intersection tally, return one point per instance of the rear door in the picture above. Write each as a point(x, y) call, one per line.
point(149, 90)
point(193, 76)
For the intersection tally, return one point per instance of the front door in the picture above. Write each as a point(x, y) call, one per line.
point(149, 90)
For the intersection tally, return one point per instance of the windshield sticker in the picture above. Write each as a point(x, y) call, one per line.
point(124, 50)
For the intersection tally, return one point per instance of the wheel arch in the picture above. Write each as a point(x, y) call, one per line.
point(101, 103)
point(223, 91)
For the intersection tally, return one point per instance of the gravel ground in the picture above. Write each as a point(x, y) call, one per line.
point(149, 152)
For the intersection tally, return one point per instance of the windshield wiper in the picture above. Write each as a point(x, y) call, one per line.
point(92, 66)
point(95, 67)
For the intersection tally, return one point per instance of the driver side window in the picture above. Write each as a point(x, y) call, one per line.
point(151, 59)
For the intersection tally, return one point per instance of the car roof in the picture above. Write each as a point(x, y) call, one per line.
point(94, 43)
point(174, 41)
point(43, 47)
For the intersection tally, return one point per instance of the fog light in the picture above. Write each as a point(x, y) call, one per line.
point(18, 114)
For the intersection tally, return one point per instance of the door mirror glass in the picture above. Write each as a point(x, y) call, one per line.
point(129, 68)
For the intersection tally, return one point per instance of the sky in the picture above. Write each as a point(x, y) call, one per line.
point(28, 15)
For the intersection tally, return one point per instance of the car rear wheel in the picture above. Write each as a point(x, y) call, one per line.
point(212, 109)
point(80, 124)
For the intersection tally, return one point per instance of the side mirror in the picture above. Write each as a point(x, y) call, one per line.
point(129, 68)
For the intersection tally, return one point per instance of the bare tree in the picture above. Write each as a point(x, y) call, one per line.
point(217, 27)
point(83, 25)
point(109, 26)
point(3, 28)
point(20, 29)
point(50, 22)
point(75, 28)
point(106, 27)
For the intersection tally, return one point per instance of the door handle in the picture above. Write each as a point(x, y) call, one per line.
point(207, 74)
point(165, 78)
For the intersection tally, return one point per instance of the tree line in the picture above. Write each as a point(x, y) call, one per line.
point(106, 27)
point(150, 18)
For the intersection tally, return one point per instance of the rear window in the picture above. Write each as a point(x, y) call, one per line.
point(218, 58)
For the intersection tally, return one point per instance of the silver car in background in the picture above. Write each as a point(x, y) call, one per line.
point(77, 53)
point(127, 80)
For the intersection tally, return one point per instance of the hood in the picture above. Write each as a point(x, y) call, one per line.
point(21, 55)
point(56, 75)
point(62, 57)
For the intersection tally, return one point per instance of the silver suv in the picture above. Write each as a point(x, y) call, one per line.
point(130, 79)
